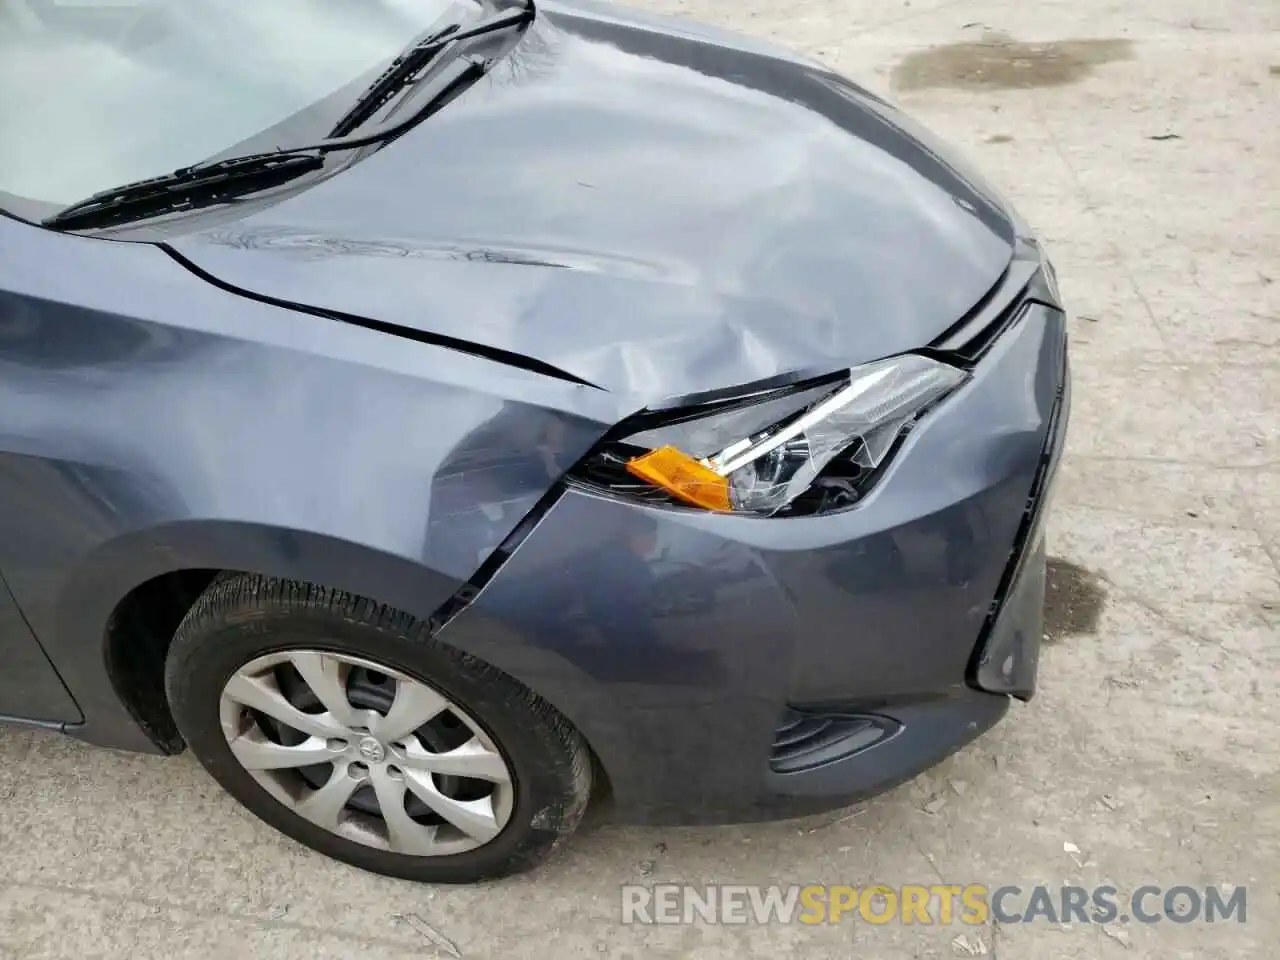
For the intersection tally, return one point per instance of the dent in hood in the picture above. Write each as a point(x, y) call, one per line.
point(650, 212)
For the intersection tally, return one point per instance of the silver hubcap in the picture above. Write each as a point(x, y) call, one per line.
point(388, 778)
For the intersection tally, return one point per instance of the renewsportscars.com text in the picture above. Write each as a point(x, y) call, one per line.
point(971, 904)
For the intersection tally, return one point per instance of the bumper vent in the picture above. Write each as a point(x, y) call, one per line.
point(807, 740)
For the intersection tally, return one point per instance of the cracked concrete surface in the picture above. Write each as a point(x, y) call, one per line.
point(1158, 691)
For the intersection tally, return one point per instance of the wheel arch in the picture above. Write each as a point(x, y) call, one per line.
point(132, 594)
point(116, 610)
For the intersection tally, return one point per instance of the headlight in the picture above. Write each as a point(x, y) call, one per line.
point(805, 450)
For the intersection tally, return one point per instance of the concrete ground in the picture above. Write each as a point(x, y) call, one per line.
point(1141, 139)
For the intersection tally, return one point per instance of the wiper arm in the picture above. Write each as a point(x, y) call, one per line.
point(187, 188)
point(219, 181)
point(405, 69)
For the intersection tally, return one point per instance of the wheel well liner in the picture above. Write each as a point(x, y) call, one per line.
point(137, 641)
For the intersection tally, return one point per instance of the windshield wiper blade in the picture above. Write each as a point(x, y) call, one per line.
point(406, 68)
point(218, 181)
point(187, 188)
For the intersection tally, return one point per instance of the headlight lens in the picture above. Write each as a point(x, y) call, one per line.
point(816, 447)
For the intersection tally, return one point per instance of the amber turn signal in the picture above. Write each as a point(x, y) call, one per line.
point(684, 477)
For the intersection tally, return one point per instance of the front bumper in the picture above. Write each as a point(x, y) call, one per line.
point(1008, 655)
point(678, 642)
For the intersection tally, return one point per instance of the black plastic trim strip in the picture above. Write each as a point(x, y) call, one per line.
point(466, 594)
point(498, 355)
point(977, 310)
point(710, 401)
point(1049, 461)
point(991, 309)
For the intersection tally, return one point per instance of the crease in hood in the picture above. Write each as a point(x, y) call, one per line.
point(653, 212)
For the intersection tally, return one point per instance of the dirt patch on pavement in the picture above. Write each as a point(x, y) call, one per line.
point(1074, 600)
point(999, 62)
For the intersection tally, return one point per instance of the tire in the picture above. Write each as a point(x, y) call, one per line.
point(243, 620)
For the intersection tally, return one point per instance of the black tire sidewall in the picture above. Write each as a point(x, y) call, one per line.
point(529, 735)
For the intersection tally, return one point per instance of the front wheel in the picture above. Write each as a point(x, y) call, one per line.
point(341, 723)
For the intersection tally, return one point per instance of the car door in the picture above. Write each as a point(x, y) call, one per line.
point(29, 686)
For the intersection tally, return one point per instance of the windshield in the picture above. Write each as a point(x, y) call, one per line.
point(95, 93)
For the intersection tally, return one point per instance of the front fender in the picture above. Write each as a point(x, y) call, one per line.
point(151, 421)
point(75, 623)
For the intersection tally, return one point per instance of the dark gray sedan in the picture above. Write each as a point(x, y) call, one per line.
point(436, 414)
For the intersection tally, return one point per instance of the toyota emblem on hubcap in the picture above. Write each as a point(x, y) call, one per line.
point(372, 750)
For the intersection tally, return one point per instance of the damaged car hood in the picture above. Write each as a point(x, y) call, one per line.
point(656, 211)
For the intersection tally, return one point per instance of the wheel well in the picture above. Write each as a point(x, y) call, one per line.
point(137, 642)
point(138, 637)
